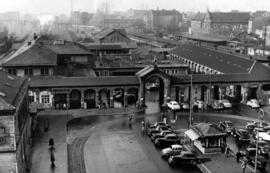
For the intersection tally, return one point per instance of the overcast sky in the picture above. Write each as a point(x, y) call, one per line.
point(63, 6)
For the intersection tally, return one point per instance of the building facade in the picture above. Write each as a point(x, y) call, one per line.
point(15, 124)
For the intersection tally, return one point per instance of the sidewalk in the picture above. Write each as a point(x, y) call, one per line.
point(40, 158)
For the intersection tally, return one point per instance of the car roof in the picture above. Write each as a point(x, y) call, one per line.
point(173, 101)
point(177, 146)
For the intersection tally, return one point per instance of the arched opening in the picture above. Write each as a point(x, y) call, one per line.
point(252, 92)
point(104, 98)
point(154, 95)
point(75, 99)
point(89, 98)
point(132, 96)
point(118, 97)
point(59, 100)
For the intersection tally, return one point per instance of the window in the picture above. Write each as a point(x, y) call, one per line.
point(12, 71)
point(44, 71)
point(45, 99)
point(2, 135)
point(28, 71)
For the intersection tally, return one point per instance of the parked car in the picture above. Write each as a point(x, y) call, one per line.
point(199, 104)
point(263, 148)
point(167, 141)
point(250, 155)
point(226, 126)
point(186, 157)
point(215, 104)
point(173, 105)
point(253, 103)
point(158, 129)
point(171, 151)
point(256, 124)
point(185, 106)
point(161, 134)
point(263, 135)
point(241, 135)
point(225, 103)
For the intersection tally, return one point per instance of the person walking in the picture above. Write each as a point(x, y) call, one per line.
point(238, 155)
point(52, 160)
point(227, 152)
point(143, 126)
point(51, 143)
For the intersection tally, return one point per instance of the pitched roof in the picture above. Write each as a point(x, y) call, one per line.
point(10, 86)
point(205, 129)
point(109, 46)
point(165, 12)
point(67, 49)
point(105, 32)
point(230, 17)
point(225, 63)
point(82, 81)
point(34, 56)
point(199, 17)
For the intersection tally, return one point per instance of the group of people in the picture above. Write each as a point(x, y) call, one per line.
point(61, 106)
point(145, 126)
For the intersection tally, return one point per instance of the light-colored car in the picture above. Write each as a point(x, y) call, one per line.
point(173, 150)
point(173, 105)
point(264, 135)
point(185, 105)
point(215, 104)
point(199, 104)
point(225, 103)
point(253, 103)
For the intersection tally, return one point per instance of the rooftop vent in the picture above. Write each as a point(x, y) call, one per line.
point(2, 94)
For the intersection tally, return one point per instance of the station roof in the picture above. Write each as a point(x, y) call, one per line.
point(109, 46)
point(47, 82)
point(206, 38)
point(10, 86)
point(105, 32)
point(34, 56)
point(67, 49)
point(225, 63)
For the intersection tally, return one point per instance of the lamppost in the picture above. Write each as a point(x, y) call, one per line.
point(260, 117)
point(190, 103)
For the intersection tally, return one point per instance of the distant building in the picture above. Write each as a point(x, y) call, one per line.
point(110, 35)
point(48, 59)
point(15, 124)
point(123, 23)
point(164, 20)
point(218, 23)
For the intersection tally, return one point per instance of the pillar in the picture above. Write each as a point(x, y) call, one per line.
point(142, 94)
point(111, 99)
point(68, 100)
point(125, 98)
point(244, 92)
point(97, 98)
point(82, 99)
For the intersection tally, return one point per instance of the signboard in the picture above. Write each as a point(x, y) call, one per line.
point(60, 90)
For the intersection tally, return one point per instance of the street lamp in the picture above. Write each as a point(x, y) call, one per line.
point(190, 103)
point(260, 117)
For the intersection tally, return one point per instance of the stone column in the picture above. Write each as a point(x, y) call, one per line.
point(142, 94)
point(244, 92)
point(111, 99)
point(68, 101)
point(125, 98)
point(97, 98)
point(82, 98)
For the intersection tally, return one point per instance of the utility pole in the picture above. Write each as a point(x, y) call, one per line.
point(264, 41)
point(190, 102)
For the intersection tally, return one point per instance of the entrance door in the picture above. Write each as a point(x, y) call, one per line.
point(75, 99)
point(59, 100)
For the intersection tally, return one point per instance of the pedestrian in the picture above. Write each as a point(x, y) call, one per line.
point(52, 160)
point(147, 124)
point(227, 151)
point(238, 155)
point(51, 143)
point(162, 116)
point(64, 106)
point(143, 125)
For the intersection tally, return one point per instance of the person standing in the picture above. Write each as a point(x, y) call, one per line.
point(238, 155)
point(227, 151)
point(143, 125)
point(52, 160)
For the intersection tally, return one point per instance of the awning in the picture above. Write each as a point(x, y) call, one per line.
point(192, 135)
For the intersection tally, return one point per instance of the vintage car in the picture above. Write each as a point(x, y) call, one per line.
point(186, 157)
point(167, 141)
point(241, 135)
point(171, 151)
point(226, 126)
point(161, 134)
point(173, 105)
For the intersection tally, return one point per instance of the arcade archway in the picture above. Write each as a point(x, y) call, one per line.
point(118, 97)
point(132, 96)
point(89, 98)
point(104, 98)
point(75, 99)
